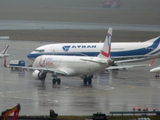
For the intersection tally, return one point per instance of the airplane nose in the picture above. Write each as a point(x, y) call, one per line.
point(29, 55)
point(32, 55)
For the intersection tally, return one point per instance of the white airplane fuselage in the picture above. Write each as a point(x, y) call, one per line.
point(119, 51)
point(73, 66)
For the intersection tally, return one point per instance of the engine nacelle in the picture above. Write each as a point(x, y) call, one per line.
point(39, 75)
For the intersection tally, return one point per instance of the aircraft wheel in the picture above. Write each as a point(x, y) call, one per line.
point(54, 81)
point(42, 76)
point(85, 81)
point(58, 81)
point(90, 77)
point(89, 81)
point(156, 75)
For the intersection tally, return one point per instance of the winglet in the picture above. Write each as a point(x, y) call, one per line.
point(154, 40)
point(105, 52)
point(150, 64)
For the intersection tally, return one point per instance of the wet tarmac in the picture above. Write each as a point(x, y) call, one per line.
point(110, 90)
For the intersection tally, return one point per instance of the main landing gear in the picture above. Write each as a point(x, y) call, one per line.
point(157, 75)
point(56, 80)
point(88, 79)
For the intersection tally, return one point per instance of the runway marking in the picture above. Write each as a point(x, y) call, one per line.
point(110, 88)
point(128, 86)
point(65, 87)
point(7, 92)
point(103, 87)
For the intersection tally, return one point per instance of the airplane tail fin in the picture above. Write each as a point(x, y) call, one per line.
point(154, 40)
point(105, 52)
point(150, 64)
point(5, 49)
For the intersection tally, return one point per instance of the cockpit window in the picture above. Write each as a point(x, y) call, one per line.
point(40, 50)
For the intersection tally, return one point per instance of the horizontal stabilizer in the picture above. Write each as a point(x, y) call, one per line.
point(6, 55)
point(129, 60)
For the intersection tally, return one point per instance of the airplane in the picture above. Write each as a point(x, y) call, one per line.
point(124, 67)
point(129, 51)
point(4, 52)
point(156, 70)
point(82, 66)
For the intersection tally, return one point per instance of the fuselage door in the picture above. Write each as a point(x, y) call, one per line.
point(53, 49)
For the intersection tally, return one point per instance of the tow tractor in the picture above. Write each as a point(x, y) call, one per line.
point(7, 112)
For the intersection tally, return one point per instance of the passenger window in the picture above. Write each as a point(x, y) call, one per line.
point(39, 50)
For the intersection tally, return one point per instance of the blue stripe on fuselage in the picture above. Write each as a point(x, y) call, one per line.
point(113, 54)
point(141, 51)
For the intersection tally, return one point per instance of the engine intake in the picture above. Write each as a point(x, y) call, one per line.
point(39, 75)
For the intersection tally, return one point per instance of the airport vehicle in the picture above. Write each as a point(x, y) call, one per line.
point(84, 67)
point(110, 3)
point(6, 113)
point(17, 64)
point(4, 52)
point(14, 64)
point(156, 70)
point(129, 51)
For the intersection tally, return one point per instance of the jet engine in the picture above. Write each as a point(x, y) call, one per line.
point(38, 75)
point(110, 62)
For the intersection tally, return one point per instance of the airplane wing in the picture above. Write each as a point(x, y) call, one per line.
point(140, 58)
point(10, 66)
point(125, 67)
point(130, 66)
point(129, 60)
point(46, 70)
